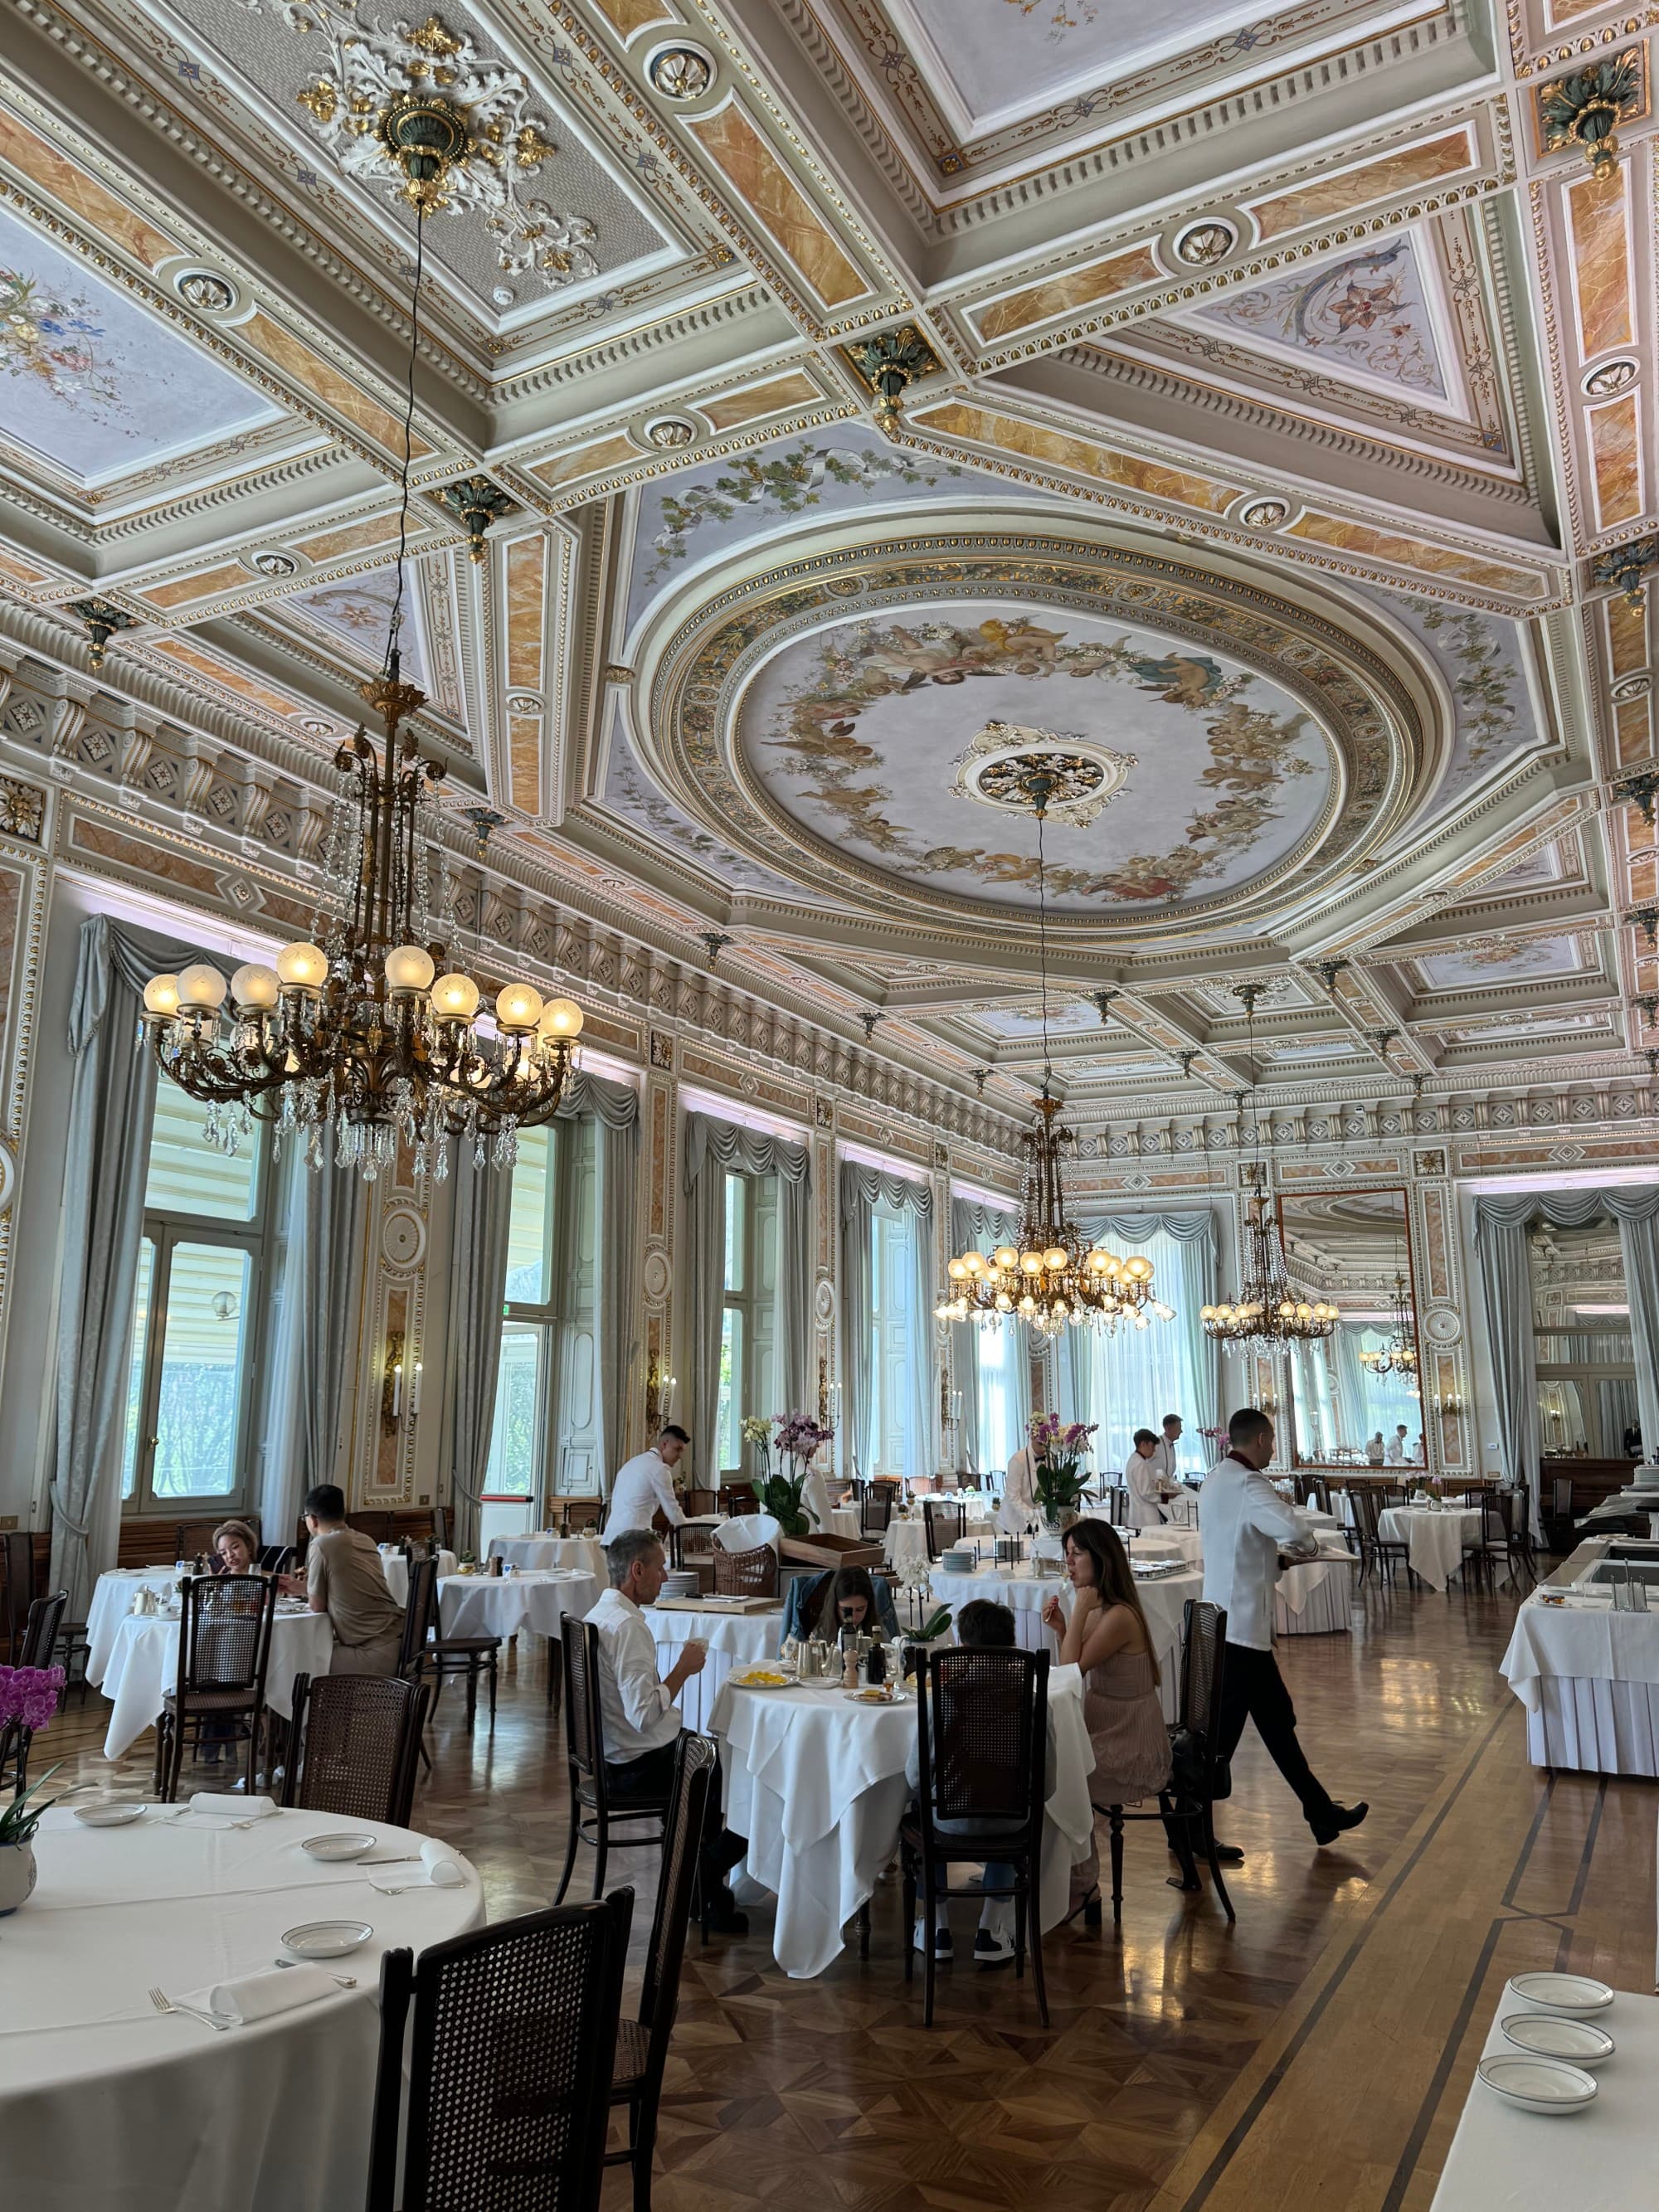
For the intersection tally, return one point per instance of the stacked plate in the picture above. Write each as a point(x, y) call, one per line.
point(1552, 2046)
point(959, 1562)
point(680, 1581)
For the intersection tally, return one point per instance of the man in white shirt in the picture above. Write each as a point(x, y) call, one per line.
point(1145, 1481)
point(1395, 1455)
point(1018, 1508)
point(637, 1712)
point(1167, 1455)
point(1244, 1523)
point(645, 1485)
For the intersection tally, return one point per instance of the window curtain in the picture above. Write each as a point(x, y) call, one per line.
point(1500, 1240)
point(1131, 1379)
point(976, 1348)
point(862, 1189)
point(1352, 1399)
point(113, 1092)
point(616, 1108)
point(714, 1149)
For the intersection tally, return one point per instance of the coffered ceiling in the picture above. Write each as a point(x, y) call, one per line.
point(1285, 394)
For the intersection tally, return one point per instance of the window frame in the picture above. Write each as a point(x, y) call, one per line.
point(550, 1316)
point(164, 1228)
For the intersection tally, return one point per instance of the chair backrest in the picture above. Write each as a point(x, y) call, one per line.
point(420, 1612)
point(19, 1570)
point(379, 1524)
point(224, 1640)
point(40, 1630)
point(360, 1735)
point(876, 1501)
point(510, 2064)
point(192, 1538)
point(1203, 1654)
point(1117, 1503)
point(1320, 1491)
point(945, 1525)
point(584, 1729)
point(982, 1728)
point(745, 1574)
point(1560, 1498)
point(681, 1839)
point(275, 1558)
point(686, 1545)
point(440, 1527)
point(737, 1498)
point(1367, 1508)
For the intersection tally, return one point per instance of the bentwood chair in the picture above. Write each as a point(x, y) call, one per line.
point(982, 1735)
point(1384, 1553)
point(427, 1653)
point(1197, 1775)
point(692, 1545)
point(191, 1538)
point(354, 1746)
point(945, 1525)
point(509, 2065)
point(224, 1650)
point(592, 1814)
point(642, 2043)
point(40, 1639)
point(1503, 1535)
point(1116, 1503)
point(875, 1502)
point(275, 1558)
point(23, 1589)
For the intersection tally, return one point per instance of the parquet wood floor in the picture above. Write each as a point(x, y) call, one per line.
point(1314, 2057)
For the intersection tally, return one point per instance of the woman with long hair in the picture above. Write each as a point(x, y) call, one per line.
point(1107, 1637)
point(849, 1602)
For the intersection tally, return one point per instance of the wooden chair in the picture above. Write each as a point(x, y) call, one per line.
point(224, 1650)
point(1384, 1553)
point(691, 1547)
point(379, 1525)
point(945, 1524)
point(745, 1574)
point(982, 1730)
point(1186, 1808)
point(593, 1815)
point(1116, 1503)
point(509, 2064)
point(22, 1591)
point(1503, 1535)
point(275, 1558)
point(875, 1504)
point(41, 1634)
point(354, 1746)
point(193, 1538)
point(737, 1498)
point(427, 1652)
point(642, 2043)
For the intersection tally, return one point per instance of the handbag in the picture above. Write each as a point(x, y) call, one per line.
point(1193, 1773)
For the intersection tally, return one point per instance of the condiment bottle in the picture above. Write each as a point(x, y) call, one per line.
point(875, 1666)
point(849, 1664)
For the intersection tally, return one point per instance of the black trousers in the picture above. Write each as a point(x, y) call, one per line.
point(1253, 1689)
point(652, 1775)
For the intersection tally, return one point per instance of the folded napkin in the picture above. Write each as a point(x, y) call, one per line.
point(231, 1805)
point(440, 1869)
point(258, 1997)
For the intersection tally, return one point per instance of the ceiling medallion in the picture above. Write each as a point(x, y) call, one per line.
point(102, 620)
point(1008, 765)
point(1265, 515)
point(669, 434)
point(274, 565)
point(680, 73)
point(202, 289)
point(1612, 376)
point(1585, 110)
point(424, 113)
point(475, 503)
point(1201, 244)
point(890, 364)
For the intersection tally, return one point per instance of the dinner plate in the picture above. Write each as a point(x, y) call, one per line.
point(1568, 1993)
point(1552, 2035)
point(326, 1939)
point(771, 1681)
point(117, 1815)
point(1538, 2085)
point(340, 1846)
point(868, 1697)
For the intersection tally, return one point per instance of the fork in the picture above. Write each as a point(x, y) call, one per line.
point(163, 2002)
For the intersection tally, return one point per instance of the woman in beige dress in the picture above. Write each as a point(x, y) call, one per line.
point(1108, 1637)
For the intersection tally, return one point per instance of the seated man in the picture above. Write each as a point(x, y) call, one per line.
point(641, 1720)
point(344, 1579)
point(987, 1626)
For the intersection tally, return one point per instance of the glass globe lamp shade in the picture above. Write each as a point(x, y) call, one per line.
point(454, 998)
point(256, 986)
point(561, 1017)
point(408, 970)
point(201, 989)
point(162, 995)
point(1054, 1258)
point(303, 967)
point(1006, 1256)
point(519, 1006)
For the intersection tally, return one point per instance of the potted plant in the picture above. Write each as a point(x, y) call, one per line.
point(757, 1435)
point(1057, 1478)
point(798, 1436)
point(28, 1698)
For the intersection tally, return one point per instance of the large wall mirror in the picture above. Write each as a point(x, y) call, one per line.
point(1353, 1395)
point(1586, 1361)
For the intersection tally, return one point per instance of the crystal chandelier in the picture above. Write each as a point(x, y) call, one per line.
point(1052, 1279)
point(1265, 1314)
point(368, 1029)
point(1398, 1356)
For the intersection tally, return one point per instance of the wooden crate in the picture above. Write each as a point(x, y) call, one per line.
point(824, 1550)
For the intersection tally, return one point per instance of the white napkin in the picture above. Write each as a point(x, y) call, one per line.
point(440, 1869)
point(257, 1996)
point(231, 1805)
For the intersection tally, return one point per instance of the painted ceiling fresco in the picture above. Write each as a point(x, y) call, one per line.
point(355, 613)
point(95, 384)
point(1484, 961)
point(858, 733)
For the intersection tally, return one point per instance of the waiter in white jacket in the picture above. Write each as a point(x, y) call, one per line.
point(1244, 1523)
point(1167, 1454)
point(645, 1485)
point(1145, 1481)
point(1018, 1508)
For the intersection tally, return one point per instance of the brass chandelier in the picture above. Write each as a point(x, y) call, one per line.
point(1265, 1314)
point(368, 1029)
point(1052, 1279)
point(1398, 1356)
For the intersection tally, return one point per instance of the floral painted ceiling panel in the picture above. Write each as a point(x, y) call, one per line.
point(1485, 961)
point(92, 382)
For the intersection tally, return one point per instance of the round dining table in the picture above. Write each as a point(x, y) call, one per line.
point(734, 1639)
point(396, 1567)
point(112, 1601)
point(502, 1605)
point(906, 1543)
point(539, 1552)
point(143, 1665)
point(1434, 1537)
point(106, 2103)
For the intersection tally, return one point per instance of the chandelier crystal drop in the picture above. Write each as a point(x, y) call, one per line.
point(1398, 1356)
point(1052, 1279)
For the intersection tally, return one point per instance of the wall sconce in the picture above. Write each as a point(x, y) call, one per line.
point(660, 1388)
point(1452, 1405)
point(392, 1384)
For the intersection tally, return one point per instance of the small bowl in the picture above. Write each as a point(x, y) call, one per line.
point(113, 1813)
point(338, 1847)
point(1556, 2035)
point(326, 1939)
point(1576, 1994)
point(1538, 2085)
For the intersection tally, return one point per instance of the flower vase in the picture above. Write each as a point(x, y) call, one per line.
point(17, 1872)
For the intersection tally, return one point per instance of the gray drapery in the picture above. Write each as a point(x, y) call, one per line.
point(715, 1148)
point(1500, 1238)
point(862, 1189)
point(977, 1227)
point(1195, 1228)
point(112, 1094)
point(616, 1108)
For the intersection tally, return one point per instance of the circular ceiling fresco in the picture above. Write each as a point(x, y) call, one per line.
point(908, 741)
point(868, 719)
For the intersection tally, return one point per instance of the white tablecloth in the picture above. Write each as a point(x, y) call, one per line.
point(844, 1521)
point(1602, 2160)
point(585, 1552)
point(105, 2103)
point(1314, 1599)
point(143, 1665)
point(1588, 1678)
point(1163, 1600)
point(502, 1605)
point(734, 1639)
point(112, 1601)
point(816, 1785)
point(1434, 1539)
point(397, 1571)
point(906, 1544)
